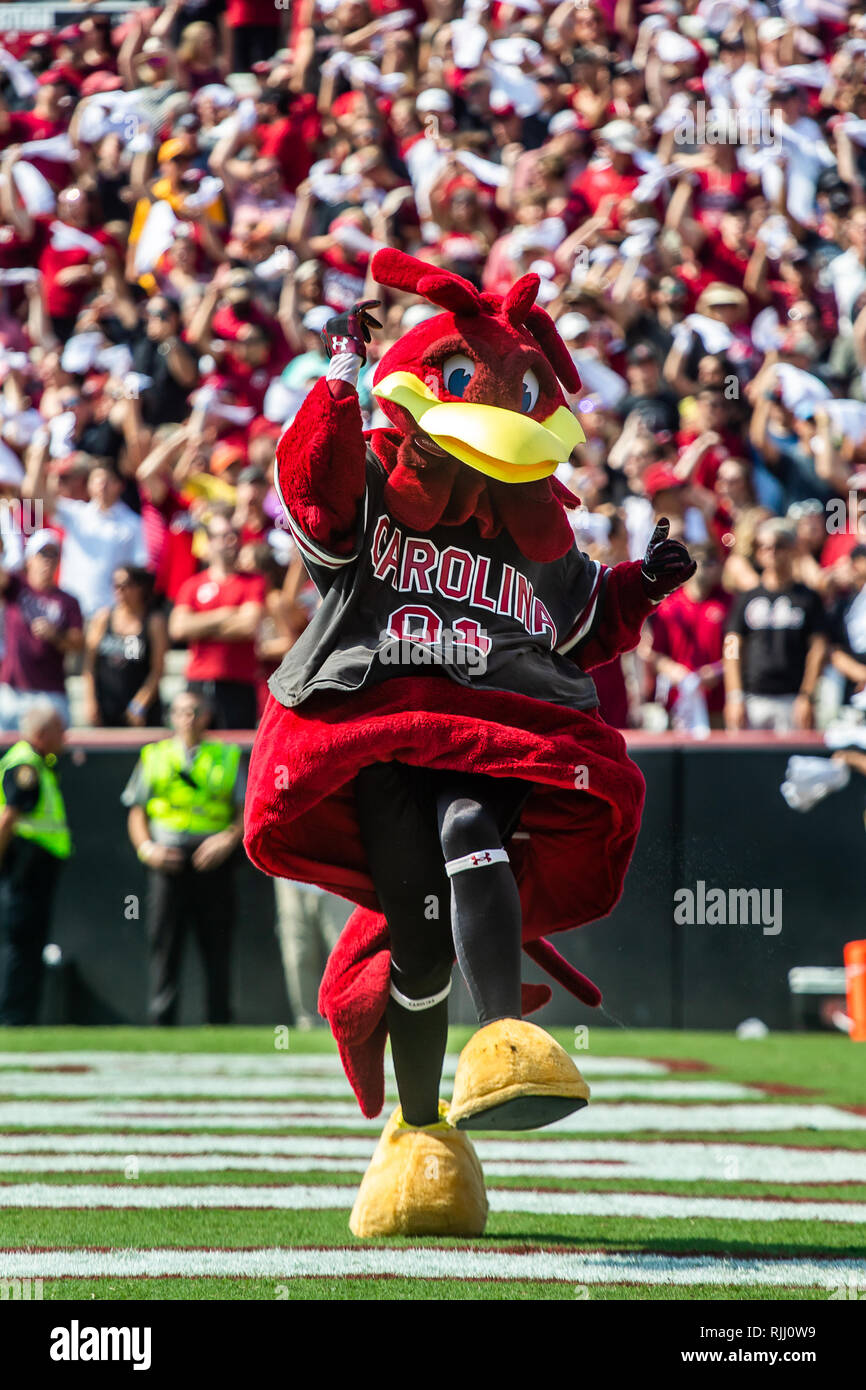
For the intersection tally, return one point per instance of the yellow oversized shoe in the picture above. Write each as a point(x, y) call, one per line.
point(513, 1075)
point(421, 1182)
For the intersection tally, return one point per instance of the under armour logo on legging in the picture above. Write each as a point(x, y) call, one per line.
point(477, 860)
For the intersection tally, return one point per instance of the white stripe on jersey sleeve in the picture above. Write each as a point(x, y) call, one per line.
point(311, 550)
point(586, 617)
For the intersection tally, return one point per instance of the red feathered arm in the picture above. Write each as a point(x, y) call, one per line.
point(321, 473)
point(624, 609)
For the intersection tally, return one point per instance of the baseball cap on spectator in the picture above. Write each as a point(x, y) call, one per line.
point(718, 295)
point(417, 313)
point(97, 82)
point(572, 326)
point(641, 352)
point(658, 478)
point(75, 462)
point(224, 454)
point(173, 148)
point(39, 541)
point(343, 105)
point(620, 135)
point(71, 33)
point(515, 49)
point(501, 105)
point(314, 320)
point(563, 121)
point(40, 40)
point(810, 507)
point(675, 48)
point(771, 29)
point(433, 99)
point(262, 426)
point(306, 270)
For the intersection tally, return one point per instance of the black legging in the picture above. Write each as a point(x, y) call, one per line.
point(413, 821)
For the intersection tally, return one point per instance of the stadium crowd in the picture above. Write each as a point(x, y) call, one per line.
point(189, 191)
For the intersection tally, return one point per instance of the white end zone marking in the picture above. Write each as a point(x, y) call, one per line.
point(120, 1084)
point(271, 1065)
point(609, 1158)
point(639, 1206)
point(603, 1117)
point(432, 1263)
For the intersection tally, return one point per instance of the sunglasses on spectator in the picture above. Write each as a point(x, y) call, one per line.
point(158, 314)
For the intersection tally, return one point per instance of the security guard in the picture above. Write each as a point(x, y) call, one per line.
point(34, 842)
point(185, 801)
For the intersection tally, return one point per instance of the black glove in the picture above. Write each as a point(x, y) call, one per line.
point(351, 332)
point(666, 565)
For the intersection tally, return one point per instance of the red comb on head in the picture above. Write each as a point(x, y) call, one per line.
point(520, 299)
point(400, 271)
point(543, 329)
point(441, 287)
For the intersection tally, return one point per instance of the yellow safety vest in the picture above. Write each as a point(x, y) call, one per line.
point(200, 802)
point(46, 824)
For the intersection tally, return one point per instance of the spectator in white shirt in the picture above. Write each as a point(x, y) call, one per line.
point(100, 536)
point(847, 273)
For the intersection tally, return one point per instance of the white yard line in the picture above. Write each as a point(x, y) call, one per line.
point(72, 1086)
point(639, 1206)
point(561, 1158)
point(275, 1063)
point(601, 1118)
point(432, 1263)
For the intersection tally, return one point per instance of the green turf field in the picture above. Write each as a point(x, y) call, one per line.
point(222, 1164)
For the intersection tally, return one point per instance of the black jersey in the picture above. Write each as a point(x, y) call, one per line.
point(446, 601)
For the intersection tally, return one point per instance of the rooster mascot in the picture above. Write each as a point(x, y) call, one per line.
point(432, 748)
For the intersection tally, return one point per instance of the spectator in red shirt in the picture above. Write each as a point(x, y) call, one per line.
point(686, 635)
point(42, 123)
point(69, 250)
point(250, 518)
point(42, 624)
point(291, 138)
point(254, 31)
point(218, 613)
point(613, 175)
point(712, 416)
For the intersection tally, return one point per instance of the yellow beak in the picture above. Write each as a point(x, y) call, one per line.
point(501, 443)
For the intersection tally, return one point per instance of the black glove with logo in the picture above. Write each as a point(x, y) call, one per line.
point(667, 564)
point(351, 332)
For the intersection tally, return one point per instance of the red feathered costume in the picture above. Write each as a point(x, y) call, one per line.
point(352, 501)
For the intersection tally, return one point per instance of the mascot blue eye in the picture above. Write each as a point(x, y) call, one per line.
point(530, 392)
point(457, 372)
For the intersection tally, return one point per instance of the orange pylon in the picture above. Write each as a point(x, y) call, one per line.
point(855, 980)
